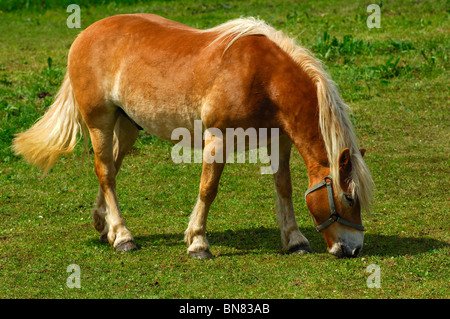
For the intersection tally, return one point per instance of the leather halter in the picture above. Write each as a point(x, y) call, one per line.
point(334, 217)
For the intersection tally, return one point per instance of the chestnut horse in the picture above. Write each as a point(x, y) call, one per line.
point(141, 71)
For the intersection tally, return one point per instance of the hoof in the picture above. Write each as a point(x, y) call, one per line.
point(104, 238)
point(300, 249)
point(126, 246)
point(204, 254)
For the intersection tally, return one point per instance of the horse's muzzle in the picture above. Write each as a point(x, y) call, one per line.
point(341, 250)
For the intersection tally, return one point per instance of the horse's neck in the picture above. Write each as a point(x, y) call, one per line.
point(299, 115)
point(317, 170)
point(314, 154)
point(307, 138)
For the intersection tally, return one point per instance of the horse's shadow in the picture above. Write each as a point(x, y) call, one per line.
point(252, 240)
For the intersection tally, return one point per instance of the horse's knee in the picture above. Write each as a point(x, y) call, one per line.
point(208, 193)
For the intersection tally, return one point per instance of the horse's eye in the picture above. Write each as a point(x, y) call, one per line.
point(349, 199)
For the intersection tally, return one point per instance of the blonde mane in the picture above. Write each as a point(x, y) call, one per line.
point(335, 125)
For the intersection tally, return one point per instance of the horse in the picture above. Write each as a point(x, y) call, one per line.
point(131, 72)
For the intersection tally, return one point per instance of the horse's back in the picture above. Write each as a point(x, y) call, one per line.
point(164, 74)
point(131, 38)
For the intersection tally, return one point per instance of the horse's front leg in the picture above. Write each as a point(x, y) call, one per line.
point(291, 237)
point(195, 235)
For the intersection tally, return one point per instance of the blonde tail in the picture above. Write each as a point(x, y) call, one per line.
point(55, 133)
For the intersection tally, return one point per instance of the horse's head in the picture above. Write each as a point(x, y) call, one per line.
point(335, 212)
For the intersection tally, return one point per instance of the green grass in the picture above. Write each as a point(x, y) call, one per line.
point(395, 79)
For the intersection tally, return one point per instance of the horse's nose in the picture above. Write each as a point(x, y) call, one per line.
point(350, 251)
point(341, 250)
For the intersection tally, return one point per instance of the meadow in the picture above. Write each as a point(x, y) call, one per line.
point(395, 79)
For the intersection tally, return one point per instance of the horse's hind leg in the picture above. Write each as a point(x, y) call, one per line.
point(112, 138)
point(291, 237)
point(99, 215)
point(125, 134)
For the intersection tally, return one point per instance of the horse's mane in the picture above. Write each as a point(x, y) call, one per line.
point(335, 125)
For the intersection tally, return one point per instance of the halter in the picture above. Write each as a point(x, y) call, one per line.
point(334, 217)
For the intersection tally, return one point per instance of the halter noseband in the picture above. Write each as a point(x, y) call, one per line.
point(334, 217)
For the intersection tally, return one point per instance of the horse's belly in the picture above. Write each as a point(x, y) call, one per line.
point(162, 120)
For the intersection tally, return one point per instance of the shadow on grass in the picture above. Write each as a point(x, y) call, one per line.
point(268, 240)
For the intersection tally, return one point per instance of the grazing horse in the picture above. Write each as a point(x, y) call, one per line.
point(142, 71)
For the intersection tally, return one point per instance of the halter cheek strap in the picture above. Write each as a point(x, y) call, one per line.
point(334, 216)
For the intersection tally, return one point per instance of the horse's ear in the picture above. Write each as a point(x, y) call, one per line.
point(344, 159)
point(362, 151)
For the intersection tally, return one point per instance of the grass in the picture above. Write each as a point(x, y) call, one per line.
point(395, 79)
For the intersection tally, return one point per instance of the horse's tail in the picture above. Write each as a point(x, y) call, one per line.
point(55, 133)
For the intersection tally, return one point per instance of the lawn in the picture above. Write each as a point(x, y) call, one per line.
point(395, 78)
